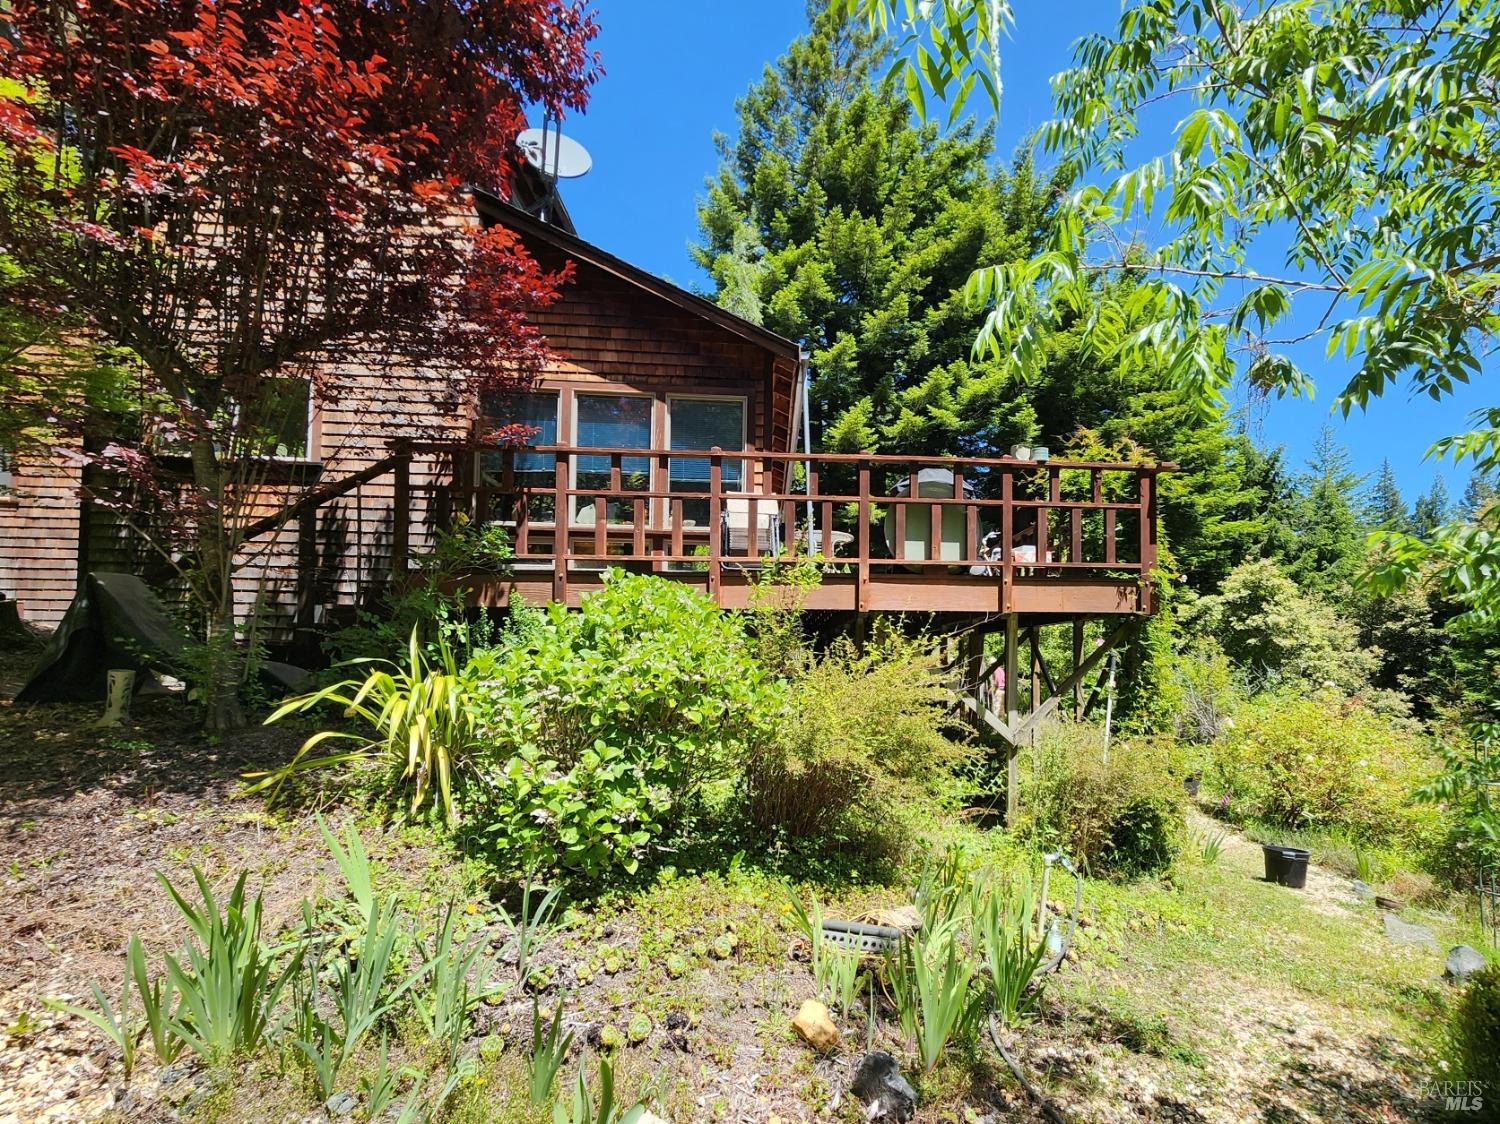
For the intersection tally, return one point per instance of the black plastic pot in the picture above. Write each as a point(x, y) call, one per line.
point(1286, 866)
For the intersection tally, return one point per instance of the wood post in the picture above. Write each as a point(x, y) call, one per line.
point(1036, 676)
point(1077, 659)
point(862, 586)
point(1012, 717)
point(562, 519)
point(715, 521)
point(400, 515)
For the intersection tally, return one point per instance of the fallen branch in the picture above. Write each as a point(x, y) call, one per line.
point(1049, 1109)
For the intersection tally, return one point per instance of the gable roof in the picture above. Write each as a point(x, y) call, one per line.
point(494, 209)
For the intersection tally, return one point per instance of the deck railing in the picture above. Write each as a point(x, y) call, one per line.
point(989, 519)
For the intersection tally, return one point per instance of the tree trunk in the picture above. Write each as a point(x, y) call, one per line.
point(224, 664)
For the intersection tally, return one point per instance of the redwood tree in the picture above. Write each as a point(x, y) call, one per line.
point(234, 191)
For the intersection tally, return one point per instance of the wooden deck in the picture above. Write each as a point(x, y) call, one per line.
point(1054, 539)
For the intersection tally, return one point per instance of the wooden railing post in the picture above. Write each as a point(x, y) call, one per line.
point(1007, 533)
point(1148, 537)
point(715, 520)
point(562, 518)
point(401, 514)
point(862, 588)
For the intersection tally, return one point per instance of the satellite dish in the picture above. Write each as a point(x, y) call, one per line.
point(553, 154)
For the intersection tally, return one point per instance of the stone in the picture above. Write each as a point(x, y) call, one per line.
point(1406, 933)
point(1463, 962)
point(814, 1027)
point(340, 1104)
point(1364, 891)
point(887, 1097)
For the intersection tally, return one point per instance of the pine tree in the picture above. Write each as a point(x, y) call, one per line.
point(1479, 493)
point(1384, 508)
point(1432, 510)
point(1328, 549)
point(865, 227)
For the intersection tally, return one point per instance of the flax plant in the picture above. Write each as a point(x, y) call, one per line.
point(423, 726)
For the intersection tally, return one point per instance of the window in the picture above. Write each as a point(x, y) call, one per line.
point(537, 411)
point(704, 423)
point(279, 421)
point(7, 468)
point(611, 421)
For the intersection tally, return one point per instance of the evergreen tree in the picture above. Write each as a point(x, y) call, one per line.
point(1432, 510)
point(846, 225)
point(1479, 493)
point(1384, 508)
point(1328, 548)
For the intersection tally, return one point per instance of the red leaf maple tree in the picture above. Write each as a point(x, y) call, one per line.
point(232, 191)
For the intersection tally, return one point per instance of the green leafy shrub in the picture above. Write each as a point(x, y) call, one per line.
point(1278, 635)
point(1325, 762)
point(599, 723)
point(859, 736)
point(1122, 816)
point(1475, 1032)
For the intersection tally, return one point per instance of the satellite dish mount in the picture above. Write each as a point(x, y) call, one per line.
point(555, 156)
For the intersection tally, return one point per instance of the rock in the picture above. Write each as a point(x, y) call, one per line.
point(1406, 933)
point(1463, 962)
point(649, 1117)
point(905, 917)
point(814, 1027)
point(1364, 891)
point(340, 1104)
point(886, 1096)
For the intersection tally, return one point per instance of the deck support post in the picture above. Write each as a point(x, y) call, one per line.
point(1036, 676)
point(1077, 659)
point(1012, 717)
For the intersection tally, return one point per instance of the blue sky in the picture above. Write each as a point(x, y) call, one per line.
point(673, 70)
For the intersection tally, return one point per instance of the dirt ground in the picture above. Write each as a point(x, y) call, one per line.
point(1215, 999)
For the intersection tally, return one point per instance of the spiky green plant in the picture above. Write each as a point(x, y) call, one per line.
point(549, 1049)
point(424, 727)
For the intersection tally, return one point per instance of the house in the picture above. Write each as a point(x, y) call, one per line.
point(667, 438)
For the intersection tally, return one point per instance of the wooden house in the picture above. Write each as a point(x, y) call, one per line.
point(667, 439)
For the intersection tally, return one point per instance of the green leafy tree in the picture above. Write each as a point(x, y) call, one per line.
point(1479, 493)
point(1277, 634)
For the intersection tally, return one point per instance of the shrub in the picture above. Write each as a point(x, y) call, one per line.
point(1276, 633)
point(598, 723)
point(858, 736)
point(1475, 1032)
point(1327, 763)
point(1123, 816)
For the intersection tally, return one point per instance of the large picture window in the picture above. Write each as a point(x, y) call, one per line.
point(702, 424)
point(611, 421)
point(278, 423)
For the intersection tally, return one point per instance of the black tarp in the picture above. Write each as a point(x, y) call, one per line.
point(117, 623)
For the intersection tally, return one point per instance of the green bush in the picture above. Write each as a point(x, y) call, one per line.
point(859, 738)
point(1122, 816)
point(1475, 1033)
point(599, 723)
point(1327, 763)
point(1278, 635)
